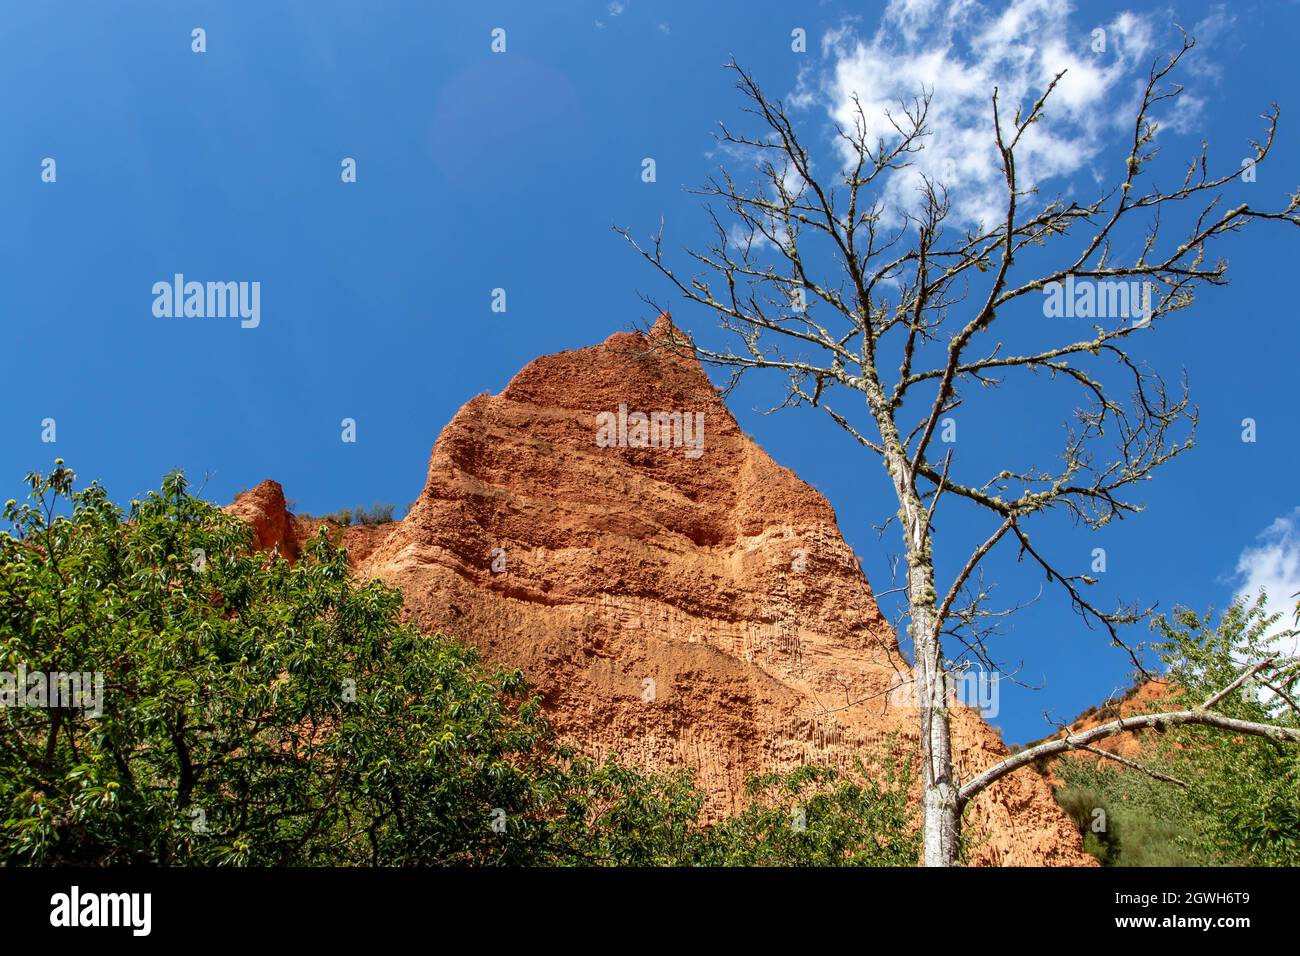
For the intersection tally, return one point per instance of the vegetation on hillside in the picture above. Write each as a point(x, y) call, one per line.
point(255, 712)
point(375, 514)
point(1241, 801)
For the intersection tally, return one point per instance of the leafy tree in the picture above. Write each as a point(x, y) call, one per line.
point(254, 712)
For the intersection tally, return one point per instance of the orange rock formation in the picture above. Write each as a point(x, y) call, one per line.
point(673, 608)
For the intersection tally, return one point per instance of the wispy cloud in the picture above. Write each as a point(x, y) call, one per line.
point(1213, 30)
point(614, 9)
point(1272, 565)
point(958, 51)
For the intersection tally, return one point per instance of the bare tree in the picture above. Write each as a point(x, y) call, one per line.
point(902, 316)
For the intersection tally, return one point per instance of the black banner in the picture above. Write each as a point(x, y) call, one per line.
point(143, 906)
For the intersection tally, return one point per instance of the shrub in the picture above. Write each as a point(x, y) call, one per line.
point(377, 514)
point(1096, 821)
point(1142, 822)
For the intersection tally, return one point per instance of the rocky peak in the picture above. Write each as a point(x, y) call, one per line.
point(265, 509)
point(676, 596)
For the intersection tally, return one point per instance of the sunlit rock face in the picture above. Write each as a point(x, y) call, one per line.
point(676, 596)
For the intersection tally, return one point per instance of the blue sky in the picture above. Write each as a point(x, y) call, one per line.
point(479, 170)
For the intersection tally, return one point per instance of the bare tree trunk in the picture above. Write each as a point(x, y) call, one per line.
point(941, 816)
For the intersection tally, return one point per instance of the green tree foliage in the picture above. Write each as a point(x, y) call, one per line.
point(812, 817)
point(1245, 791)
point(1128, 819)
point(260, 713)
point(1241, 805)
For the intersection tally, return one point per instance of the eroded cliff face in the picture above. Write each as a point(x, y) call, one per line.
point(681, 604)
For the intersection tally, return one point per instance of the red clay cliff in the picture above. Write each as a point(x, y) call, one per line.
point(675, 602)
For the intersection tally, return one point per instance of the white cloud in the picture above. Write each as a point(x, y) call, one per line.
point(1272, 565)
point(1215, 29)
point(959, 51)
point(616, 8)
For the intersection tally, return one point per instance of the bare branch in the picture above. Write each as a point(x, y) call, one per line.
point(1155, 774)
point(1201, 715)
